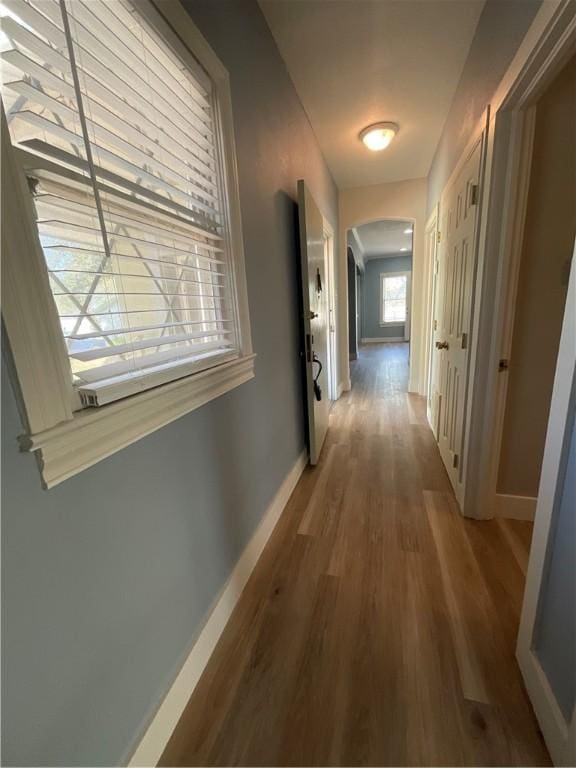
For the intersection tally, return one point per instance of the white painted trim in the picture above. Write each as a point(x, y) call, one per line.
point(40, 362)
point(548, 713)
point(332, 288)
point(514, 507)
point(346, 385)
point(560, 736)
point(548, 44)
point(94, 433)
point(508, 276)
point(358, 253)
point(429, 287)
point(68, 442)
point(155, 739)
point(383, 340)
point(342, 389)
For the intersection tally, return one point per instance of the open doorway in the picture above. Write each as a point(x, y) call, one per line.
point(379, 293)
point(538, 281)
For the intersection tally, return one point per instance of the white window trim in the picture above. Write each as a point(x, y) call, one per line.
point(396, 323)
point(66, 442)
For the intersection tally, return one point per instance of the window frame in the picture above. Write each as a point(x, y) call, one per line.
point(396, 323)
point(67, 441)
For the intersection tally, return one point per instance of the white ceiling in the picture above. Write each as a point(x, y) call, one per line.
point(357, 62)
point(384, 238)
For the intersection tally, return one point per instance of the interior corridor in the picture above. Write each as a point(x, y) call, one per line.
point(379, 626)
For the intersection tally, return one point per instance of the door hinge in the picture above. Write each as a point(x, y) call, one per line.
point(308, 348)
point(503, 364)
point(455, 461)
point(439, 236)
point(464, 340)
point(473, 194)
point(435, 325)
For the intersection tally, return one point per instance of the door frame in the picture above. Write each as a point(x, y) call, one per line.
point(560, 736)
point(548, 45)
point(430, 271)
point(334, 390)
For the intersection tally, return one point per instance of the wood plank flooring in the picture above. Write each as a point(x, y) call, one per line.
point(378, 628)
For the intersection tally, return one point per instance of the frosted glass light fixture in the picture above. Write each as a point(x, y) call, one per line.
point(378, 136)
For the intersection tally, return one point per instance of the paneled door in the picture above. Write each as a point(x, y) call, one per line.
point(453, 313)
point(316, 321)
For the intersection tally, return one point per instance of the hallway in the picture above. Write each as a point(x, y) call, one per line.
point(379, 626)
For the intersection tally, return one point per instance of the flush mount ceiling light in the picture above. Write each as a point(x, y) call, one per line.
point(378, 136)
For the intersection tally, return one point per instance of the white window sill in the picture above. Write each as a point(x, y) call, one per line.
point(95, 433)
point(395, 324)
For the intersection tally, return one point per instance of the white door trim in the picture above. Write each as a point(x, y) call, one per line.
point(430, 248)
point(332, 300)
point(560, 735)
point(548, 44)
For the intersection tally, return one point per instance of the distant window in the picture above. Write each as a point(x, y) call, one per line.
point(394, 297)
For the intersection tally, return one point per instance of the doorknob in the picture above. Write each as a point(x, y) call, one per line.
point(442, 345)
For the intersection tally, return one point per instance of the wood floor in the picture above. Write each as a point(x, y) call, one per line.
point(379, 625)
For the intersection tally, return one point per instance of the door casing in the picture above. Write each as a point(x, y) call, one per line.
point(550, 43)
point(559, 732)
point(315, 318)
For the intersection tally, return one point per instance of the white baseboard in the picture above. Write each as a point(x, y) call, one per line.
point(345, 386)
point(515, 507)
point(383, 340)
point(550, 718)
point(153, 743)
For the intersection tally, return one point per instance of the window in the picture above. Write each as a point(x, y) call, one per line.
point(394, 298)
point(121, 136)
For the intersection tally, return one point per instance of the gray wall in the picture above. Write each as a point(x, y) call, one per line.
point(556, 635)
point(371, 328)
point(500, 30)
point(107, 578)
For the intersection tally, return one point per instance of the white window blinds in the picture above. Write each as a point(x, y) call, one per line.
point(129, 193)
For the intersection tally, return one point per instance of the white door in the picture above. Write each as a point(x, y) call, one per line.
point(316, 322)
point(546, 649)
point(438, 331)
point(453, 313)
point(330, 290)
point(431, 239)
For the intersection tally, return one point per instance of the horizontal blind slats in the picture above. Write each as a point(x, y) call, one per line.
point(141, 329)
point(57, 228)
point(140, 272)
point(119, 163)
point(168, 164)
point(106, 371)
point(91, 18)
point(108, 99)
point(49, 203)
point(157, 341)
point(55, 249)
point(135, 275)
